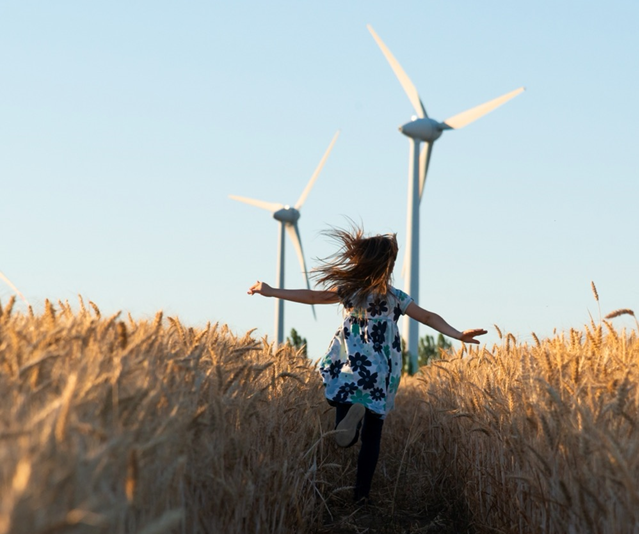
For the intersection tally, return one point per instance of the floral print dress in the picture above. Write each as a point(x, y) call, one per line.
point(363, 364)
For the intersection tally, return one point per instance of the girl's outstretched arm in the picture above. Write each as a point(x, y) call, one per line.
point(305, 296)
point(437, 322)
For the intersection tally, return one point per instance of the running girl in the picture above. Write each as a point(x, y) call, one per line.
point(362, 367)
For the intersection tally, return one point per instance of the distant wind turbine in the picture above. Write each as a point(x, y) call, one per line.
point(288, 217)
point(10, 284)
point(424, 129)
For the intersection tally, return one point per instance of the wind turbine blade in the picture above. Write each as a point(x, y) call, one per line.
point(311, 182)
point(470, 115)
point(403, 78)
point(294, 234)
point(10, 284)
point(424, 162)
point(270, 206)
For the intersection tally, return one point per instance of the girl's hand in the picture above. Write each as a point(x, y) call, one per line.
point(468, 336)
point(261, 288)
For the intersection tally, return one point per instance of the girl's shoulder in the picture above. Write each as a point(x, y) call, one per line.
point(402, 299)
point(398, 294)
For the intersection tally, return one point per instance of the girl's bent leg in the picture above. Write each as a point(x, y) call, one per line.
point(368, 454)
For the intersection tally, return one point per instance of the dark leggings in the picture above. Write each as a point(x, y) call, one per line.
point(371, 434)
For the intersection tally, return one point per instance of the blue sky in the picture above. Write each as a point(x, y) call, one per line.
point(125, 126)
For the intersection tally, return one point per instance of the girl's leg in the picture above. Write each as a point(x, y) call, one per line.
point(368, 454)
point(340, 411)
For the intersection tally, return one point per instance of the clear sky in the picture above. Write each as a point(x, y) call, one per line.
point(124, 126)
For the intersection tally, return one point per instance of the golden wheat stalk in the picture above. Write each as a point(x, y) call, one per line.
point(537, 342)
point(594, 291)
point(621, 311)
point(63, 416)
point(8, 308)
point(96, 310)
point(132, 475)
point(123, 336)
point(49, 312)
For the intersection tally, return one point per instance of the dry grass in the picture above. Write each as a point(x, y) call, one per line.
point(542, 438)
point(114, 426)
point(118, 426)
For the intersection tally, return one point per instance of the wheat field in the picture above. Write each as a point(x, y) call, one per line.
point(117, 425)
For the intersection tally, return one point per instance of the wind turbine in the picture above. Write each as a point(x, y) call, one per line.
point(10, 284)
point(422, 128)
point(288, 217)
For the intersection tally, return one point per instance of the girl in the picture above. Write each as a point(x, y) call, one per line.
point(362, 367)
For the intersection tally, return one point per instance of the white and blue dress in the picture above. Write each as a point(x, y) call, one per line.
point(368, 369)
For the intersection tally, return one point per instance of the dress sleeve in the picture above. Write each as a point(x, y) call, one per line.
point(403, 300)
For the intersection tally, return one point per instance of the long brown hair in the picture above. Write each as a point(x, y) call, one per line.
point(362, 265)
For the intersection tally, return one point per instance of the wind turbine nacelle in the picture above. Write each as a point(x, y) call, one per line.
point(423, 129)
point(287, 215)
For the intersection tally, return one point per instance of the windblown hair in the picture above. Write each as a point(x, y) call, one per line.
point(361, 267)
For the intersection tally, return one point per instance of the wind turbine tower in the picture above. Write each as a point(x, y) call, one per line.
point(288, 216)
point(423, 129)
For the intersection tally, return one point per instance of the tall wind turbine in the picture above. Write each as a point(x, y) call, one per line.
point(422, 128)
point(288, 217)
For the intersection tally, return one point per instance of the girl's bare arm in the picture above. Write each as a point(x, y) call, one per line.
point(438, 323)
point(304, 296)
